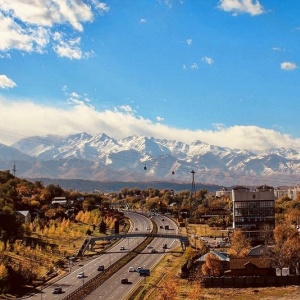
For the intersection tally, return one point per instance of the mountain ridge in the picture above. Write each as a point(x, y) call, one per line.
point(141, 158)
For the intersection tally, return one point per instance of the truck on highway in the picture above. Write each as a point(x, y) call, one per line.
point(167, 227)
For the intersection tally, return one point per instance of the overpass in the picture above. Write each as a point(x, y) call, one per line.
point(91, 241)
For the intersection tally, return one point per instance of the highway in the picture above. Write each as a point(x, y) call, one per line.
point(70, 282)
point(112, 289)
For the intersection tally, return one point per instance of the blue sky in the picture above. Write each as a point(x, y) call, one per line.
point(225, 72)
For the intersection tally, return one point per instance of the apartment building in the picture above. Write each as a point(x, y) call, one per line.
point(254, 211)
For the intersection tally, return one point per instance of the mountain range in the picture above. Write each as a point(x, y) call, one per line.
point(141, 158)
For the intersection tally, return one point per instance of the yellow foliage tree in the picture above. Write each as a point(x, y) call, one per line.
point(169, 290)
point(240, 245)
point(212, 265)
point(3, 272)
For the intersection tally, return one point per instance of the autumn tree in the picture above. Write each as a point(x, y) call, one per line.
point(286, 252)
point(212, 265)
point(169, 290)
point(240, 244)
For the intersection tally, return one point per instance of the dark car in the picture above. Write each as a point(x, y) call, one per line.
point(144, 272)
point(101, 268)
point(124, 281)
point(57, 290)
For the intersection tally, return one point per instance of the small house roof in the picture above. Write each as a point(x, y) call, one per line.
point(241, 262)
point(23, 212)
point(220, 255)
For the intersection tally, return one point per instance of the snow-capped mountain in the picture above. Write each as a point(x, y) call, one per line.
point(101, 157)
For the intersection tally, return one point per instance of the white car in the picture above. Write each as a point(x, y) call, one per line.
point(81, 275)
point(131, 269)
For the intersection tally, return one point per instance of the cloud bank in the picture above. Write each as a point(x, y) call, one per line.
point(123, 121)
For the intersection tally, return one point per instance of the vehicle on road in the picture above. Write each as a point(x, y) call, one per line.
point(167, 227)
point(144, 272)
point(124, 281)
point(165, 246)
point(122, 248)
point(153, 250)
point(161, 227)
point(81, 275)
point(131, 269)
point(101, 268)
point(136, 229)
point(57, 290)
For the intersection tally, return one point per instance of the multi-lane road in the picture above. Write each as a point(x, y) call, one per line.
point(112, 288)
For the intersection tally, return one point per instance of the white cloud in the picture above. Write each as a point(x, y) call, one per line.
point(160, 119)
point(27, 25)
point(48, 12)
point(125, 108)
point(118, 123)
point(194, 66)
point(6, 82)
point(100, 6)
point(69, 49)
point(74, 98)
point(208, 60)
point(13, 36)
point(189, 42)
point(252, 7)
point(288, 66)
point(143, 21)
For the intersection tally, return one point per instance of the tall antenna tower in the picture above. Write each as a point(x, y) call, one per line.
point(193, 190)
point(14, 169)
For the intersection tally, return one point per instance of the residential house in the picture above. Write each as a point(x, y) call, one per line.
point(222, 257)
point(250, 266)
point(24, 216)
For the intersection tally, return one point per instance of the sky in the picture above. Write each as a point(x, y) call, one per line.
point(225, 72)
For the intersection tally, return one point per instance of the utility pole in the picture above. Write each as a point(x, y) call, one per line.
point(14, 169)
point(193, 190)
